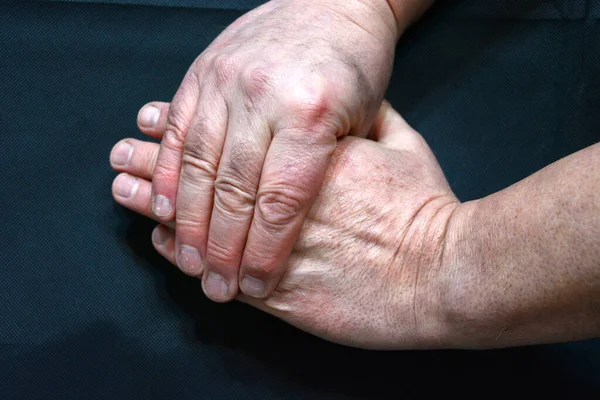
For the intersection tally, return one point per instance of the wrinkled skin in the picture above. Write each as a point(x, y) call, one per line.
point(367, 269)
point(252, 128)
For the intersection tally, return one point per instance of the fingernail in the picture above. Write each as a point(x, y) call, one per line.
point(252, 286)
point(149, 116)
point(126, 186)
point(160, 236)
point(215, 286)
point(189, 259)
point(161, 207)
point(121, 154)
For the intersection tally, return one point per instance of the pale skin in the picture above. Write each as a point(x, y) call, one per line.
point(388, 258)
point(253, 127)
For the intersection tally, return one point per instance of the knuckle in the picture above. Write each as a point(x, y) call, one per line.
point(199, 66)
point(314, 116)
point(203, 133)
point(172, 140)
point(224, 67)
point(278, 208)
point(233, 197)
point(219, 255)
point(165, 172)
point(244, 161)
point(191, 223)
point(257, 82)
point(313, 104)
point(176, 127)
point(187, 224)
point(196, 166)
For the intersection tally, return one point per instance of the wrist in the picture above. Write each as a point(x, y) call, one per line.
point(458, 277)
point(422, 250)
point(397, 14)
point(478, 307)
point(374, 16)
point(406, 12)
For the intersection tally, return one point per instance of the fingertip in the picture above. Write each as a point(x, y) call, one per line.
point(124, 187)
point(148, 116)
point(163, 242)
point(162, 208)
point(120, 154)
point(259, 275)
point(160, 235)
point(188, 259)
point(253, 287)
point(152, 119)
point(216, 288)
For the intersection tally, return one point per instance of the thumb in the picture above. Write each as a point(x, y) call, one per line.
point(392, 131)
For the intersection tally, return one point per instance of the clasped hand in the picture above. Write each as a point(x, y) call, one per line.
point(368, 268)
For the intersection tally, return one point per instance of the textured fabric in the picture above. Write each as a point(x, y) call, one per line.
point(89, 310)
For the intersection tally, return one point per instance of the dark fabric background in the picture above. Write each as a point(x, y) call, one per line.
point(88, 310)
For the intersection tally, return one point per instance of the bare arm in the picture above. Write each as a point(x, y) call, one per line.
point(526, 260)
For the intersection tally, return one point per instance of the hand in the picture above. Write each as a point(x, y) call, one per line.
point(368, 267)
point(252, 128)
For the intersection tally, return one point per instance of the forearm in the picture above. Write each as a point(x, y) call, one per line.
point(525, 261)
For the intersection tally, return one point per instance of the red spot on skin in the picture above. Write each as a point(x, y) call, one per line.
point(312, 110)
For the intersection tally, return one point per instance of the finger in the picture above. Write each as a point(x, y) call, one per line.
point(292, 175)
point(168, 163)
point(134, 194)
point(152, 119)
point(245, 148)
point(392, 131)
point(200, 161)
point(135, 157)
point(163, 239)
